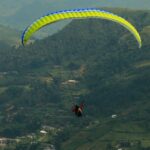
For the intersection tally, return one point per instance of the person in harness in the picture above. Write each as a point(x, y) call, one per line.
point(78, 110)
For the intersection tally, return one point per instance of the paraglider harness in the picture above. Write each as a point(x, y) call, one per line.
point(78, 110)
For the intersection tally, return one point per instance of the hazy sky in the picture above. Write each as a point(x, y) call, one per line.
point(8, 7)
point(20, 13)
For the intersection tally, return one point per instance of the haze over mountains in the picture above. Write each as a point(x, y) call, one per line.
point(21, 13)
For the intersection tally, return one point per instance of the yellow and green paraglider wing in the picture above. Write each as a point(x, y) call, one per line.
point(78, 13)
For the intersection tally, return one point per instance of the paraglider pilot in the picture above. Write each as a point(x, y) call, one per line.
point(78, 110)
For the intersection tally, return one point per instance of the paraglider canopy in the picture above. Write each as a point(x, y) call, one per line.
point(77, 14)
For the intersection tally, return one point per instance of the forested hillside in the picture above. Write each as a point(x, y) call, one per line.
point(112, 77)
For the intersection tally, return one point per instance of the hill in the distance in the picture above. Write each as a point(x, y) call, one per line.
point(9, 36)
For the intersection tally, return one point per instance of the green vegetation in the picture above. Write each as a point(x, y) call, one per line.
point(113, 78)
